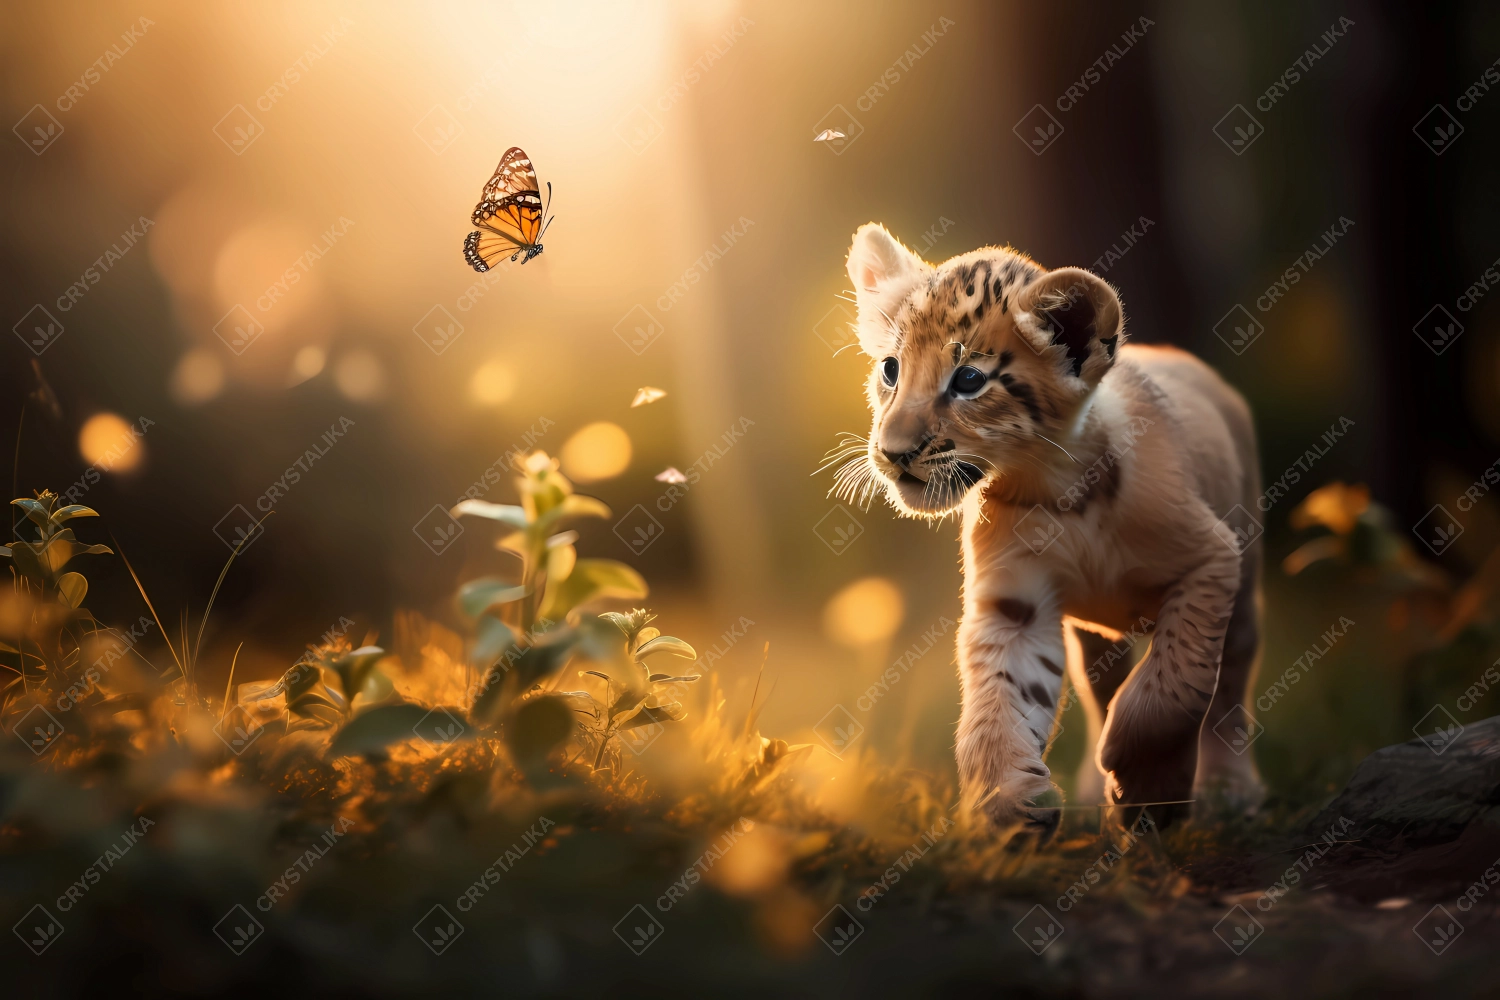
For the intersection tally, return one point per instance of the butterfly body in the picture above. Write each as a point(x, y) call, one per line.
point(510, 215)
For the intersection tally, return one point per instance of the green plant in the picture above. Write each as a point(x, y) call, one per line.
point(48, 596)
point(40, 563)
point(641, 701)
point(524, 630)
point(51, 600)
point(320, 688)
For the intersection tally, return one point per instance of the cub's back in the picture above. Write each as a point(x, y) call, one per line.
point(1218, 435)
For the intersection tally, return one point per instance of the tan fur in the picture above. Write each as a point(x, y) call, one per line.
point(1124, 458)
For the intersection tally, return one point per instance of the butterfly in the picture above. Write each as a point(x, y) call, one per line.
point(509, 214)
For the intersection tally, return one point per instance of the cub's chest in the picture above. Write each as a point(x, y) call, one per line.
point(1087, 560)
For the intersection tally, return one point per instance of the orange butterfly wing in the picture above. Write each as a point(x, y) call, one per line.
point(511, 205)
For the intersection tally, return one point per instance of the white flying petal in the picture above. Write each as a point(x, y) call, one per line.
point(827, 134)
point(646, 394)
point(670, 475)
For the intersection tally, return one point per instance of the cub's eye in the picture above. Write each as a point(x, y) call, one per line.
point(889, 369)
point(968, 379)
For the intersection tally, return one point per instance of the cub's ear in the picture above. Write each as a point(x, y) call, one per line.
point(1076, 318)
point(883, 271)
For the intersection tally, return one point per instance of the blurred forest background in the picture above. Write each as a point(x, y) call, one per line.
point(678, 140)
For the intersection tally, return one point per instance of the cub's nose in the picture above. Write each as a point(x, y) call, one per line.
point(901, 459)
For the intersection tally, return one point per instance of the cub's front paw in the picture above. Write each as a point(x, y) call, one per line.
point(1036, 813)
point(1154, 765)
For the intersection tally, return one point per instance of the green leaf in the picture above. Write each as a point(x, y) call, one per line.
point(545, 657)
point(377, 728)
point(595, 579)
point(353, 668)
point(538, 727)
point(478, 596)
point(313, 705)
point(558, 562)
point(492, 637)
point(648, 716)
point(543, 494)
point(35, 510)
point(620, 621)
point(299, 678)
point(63, 545)
point(73, 587)
point(502, 512)
point(57, 551)
point(517, 543)
point(667, 644)
point(253, 691)
point(29, 564)
point(71, 511)
point(378, 688)
point(628, 700)
point(573, 505)
point(595, 705)
point(519, 668)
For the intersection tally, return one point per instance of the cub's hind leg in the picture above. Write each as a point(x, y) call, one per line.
point(1226, 763)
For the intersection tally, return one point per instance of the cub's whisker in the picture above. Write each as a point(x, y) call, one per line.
point(1057, 446)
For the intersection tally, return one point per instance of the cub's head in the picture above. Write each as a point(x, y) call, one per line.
point(983, 366)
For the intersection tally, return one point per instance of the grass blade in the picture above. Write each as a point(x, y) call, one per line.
point(229, 686)
point(753, 715)
point(152, 608)
point(198, 644)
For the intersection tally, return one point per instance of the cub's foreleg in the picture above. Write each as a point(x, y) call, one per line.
point(1010, 655)
point(1149, 748)
point(1098, 661)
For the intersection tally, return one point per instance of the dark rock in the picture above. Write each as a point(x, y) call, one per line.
point(1417, 794)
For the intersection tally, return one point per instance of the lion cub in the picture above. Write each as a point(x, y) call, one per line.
point(1104, 491)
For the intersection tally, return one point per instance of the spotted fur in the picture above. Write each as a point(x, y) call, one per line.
point(1091, 477)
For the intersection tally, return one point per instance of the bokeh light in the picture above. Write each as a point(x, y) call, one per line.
point(360, 376)
point(110, 443)
point(596, 451)
point(493, 383)
point(758, 862)
point(198, 377)
point(307, 363)
point(864, 613)
point(182, 242)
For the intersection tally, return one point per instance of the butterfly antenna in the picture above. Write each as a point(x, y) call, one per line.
point(545, 210)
